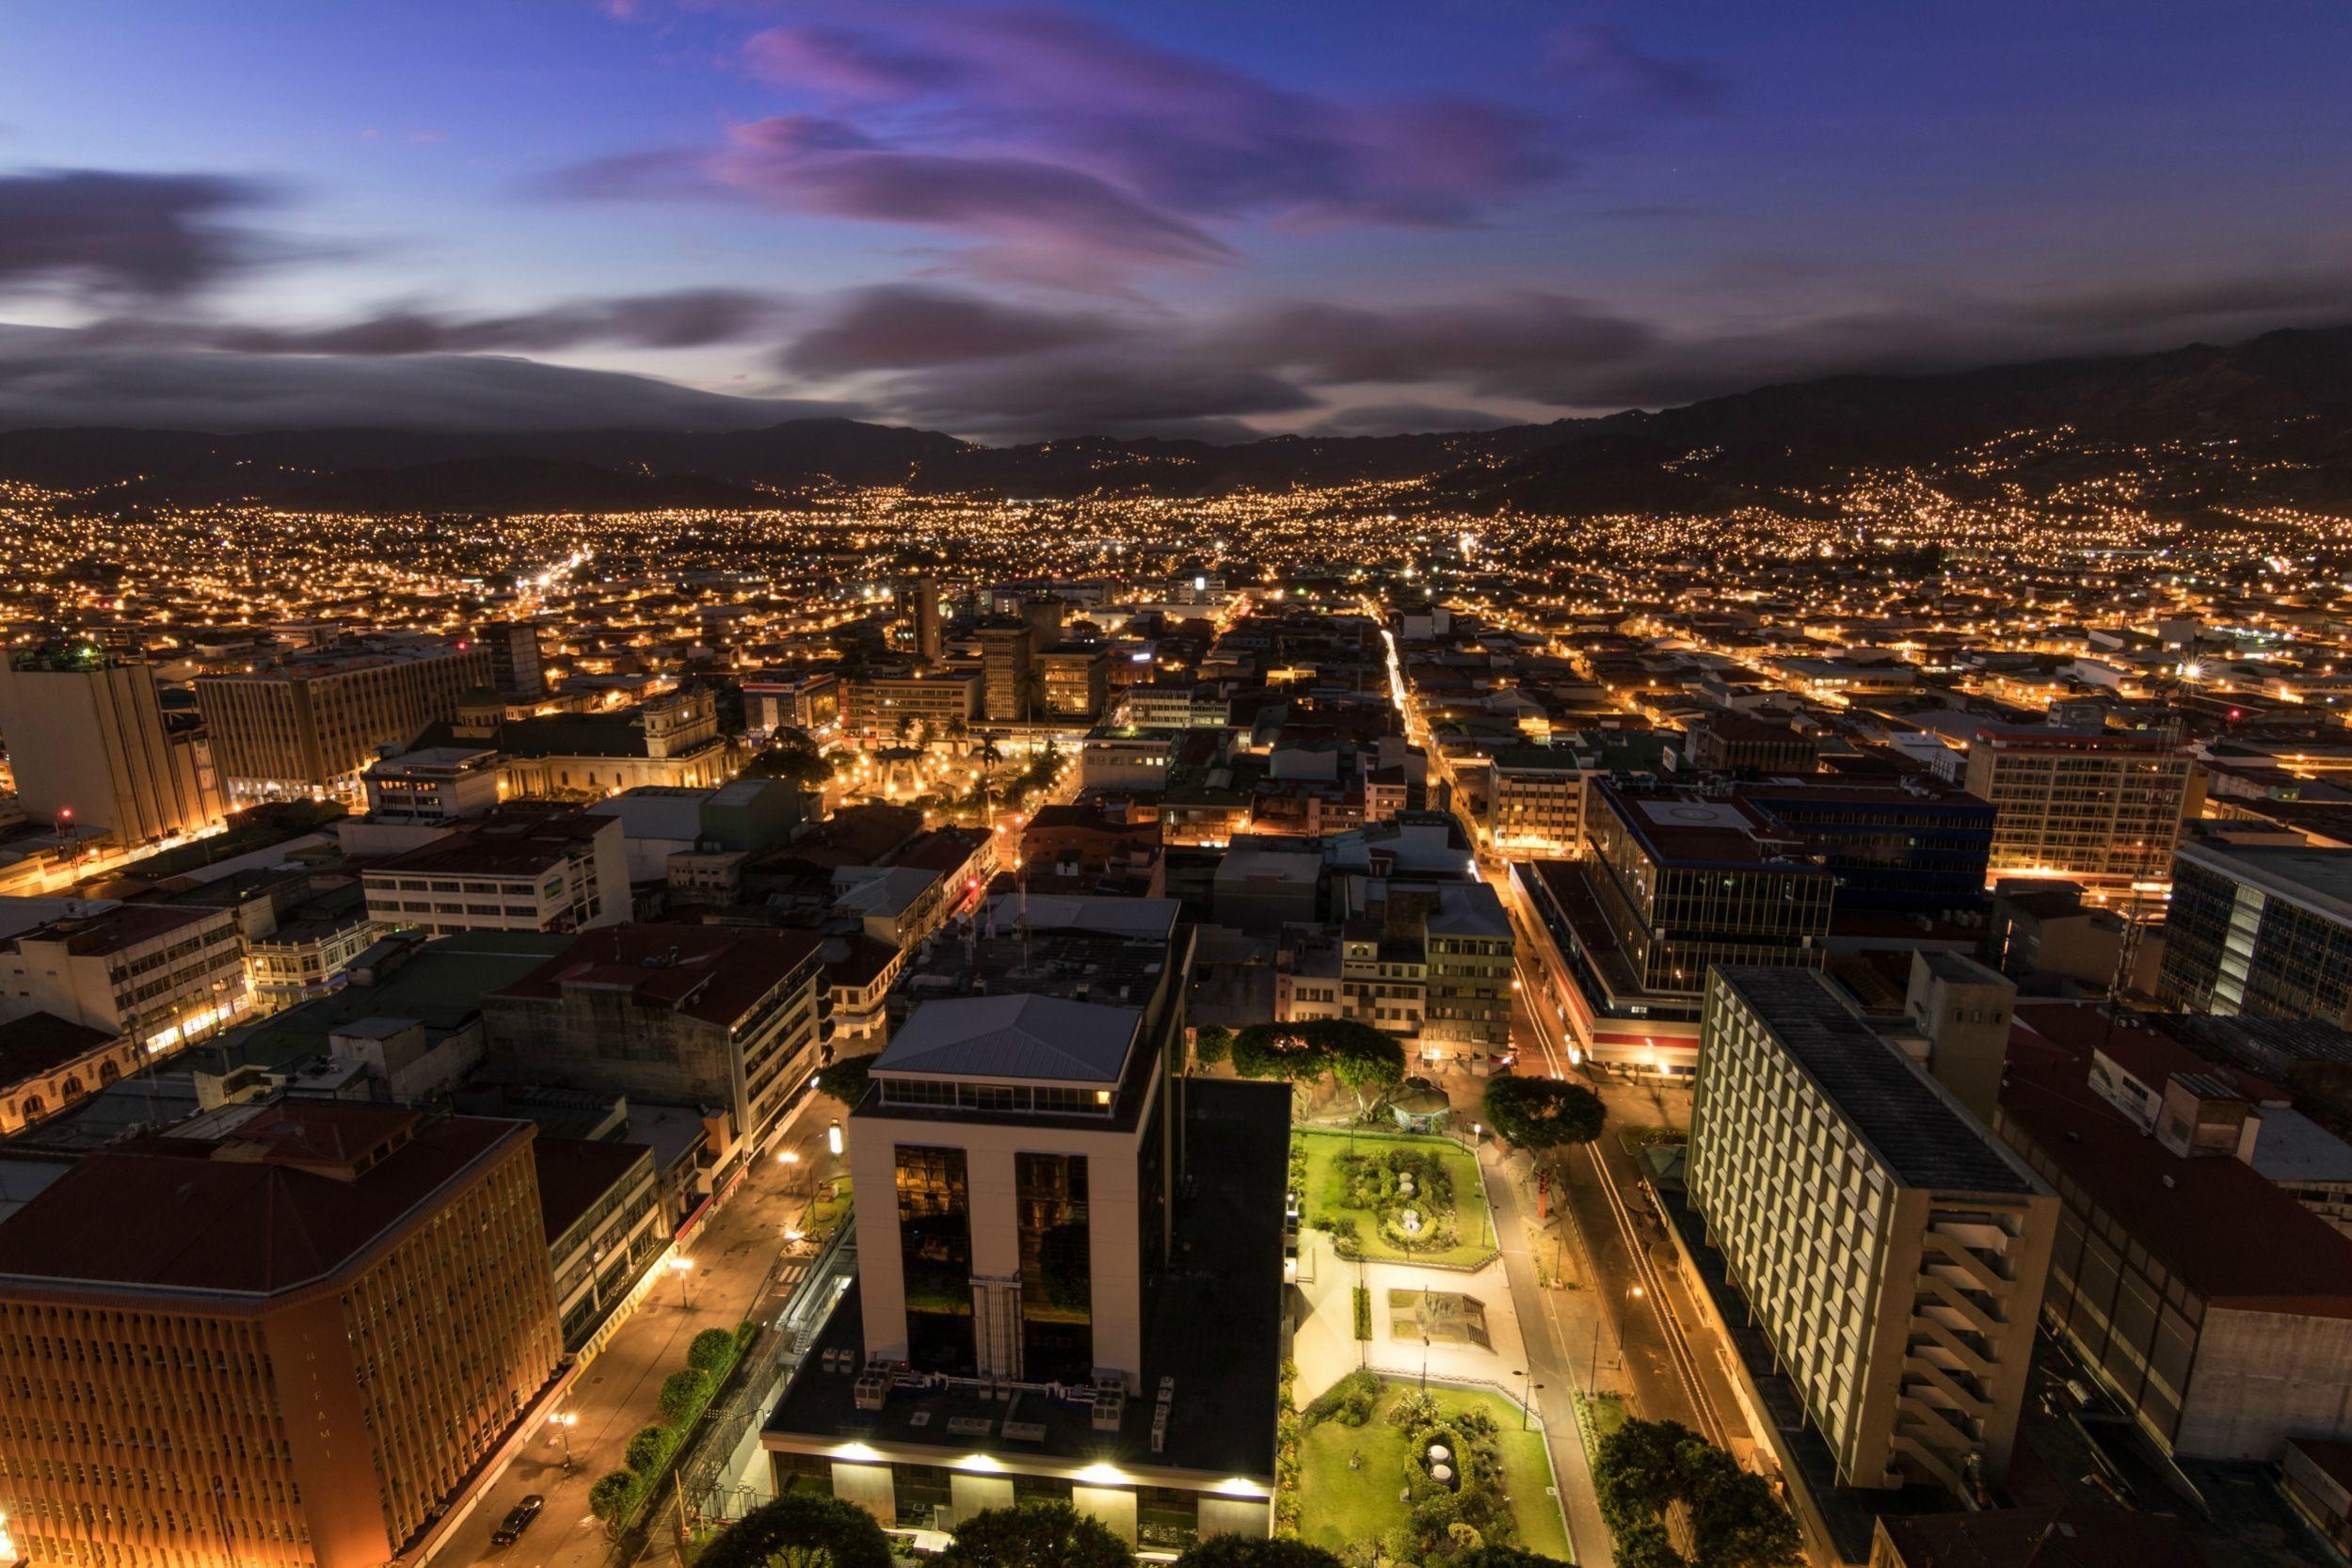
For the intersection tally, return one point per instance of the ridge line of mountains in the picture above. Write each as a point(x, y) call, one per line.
point(2265, 422)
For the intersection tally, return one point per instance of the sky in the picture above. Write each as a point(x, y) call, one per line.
point(1211, 218)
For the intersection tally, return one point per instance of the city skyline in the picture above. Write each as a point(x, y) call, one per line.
point(1219, 222)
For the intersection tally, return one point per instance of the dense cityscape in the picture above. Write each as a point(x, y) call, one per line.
point(1815, 1032)
point(1085, 785)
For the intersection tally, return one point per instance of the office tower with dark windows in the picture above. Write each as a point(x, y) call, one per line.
point(1024, 1319)
point(516, 669)
point(2259, 929)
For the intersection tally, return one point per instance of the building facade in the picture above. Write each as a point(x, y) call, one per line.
point(90, 744)
point(163, 975)
point(310, 724)
point(522, 869)
point(873, 705)
point(2100, 807)
point(1892, 1251)
point(2259, 929)
point(183, 1391)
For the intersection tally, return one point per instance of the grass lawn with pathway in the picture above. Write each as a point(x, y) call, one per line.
point(1327, 1189)
point(1340, 1506)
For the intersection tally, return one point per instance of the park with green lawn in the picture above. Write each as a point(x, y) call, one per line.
point(1366, 1478)
point(1392, 1198)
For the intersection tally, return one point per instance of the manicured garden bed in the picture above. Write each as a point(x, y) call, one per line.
point(1345, 1504)
point(1350, 1186)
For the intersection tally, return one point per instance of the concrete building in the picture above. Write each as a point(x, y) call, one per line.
point(810, 701)
point(518, 671)
point(2259, 929)
point(873, 705)
point(923, 594)
point(311, 724)
point(1026, 1318)
point(671, 741)
point(48, 1065)
point(1007, 649)
point(2215, 1307)
point(518, 869)
point(1961, 1013)
point(433, 785)
point(716, 1016)
point(1075, 681)
point(278, 1333)
point(161, 974)
point(2098, 806)
point(91, 745)
point(1892, 1251)
point(600, 1210)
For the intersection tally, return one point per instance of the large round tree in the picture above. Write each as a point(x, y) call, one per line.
point(1036, 1535)
point(800, 1530)
point(1355, 1056)
point(1540, 1113)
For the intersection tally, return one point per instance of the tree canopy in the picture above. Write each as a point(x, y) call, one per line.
point(1036, 1535)
point(1505, 1556)
point(1540, 1113)
point(800, 1530)
point(792, 756)
point(1356, 1055)
point(1242, 1551)
point(1212, 1045)
point(1644, 1467)
point(845, 1078)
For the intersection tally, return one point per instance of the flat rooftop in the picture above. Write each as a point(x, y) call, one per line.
point(2319, 879)
point(1041, 1038)
point(1922, 1137)
point(1224, 1268)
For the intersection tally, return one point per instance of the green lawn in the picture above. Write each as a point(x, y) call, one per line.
point(1598, 1416)
point(1325, 1191)
point(1340, 1506)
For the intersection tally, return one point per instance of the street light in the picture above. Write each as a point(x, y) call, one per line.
point(681, 1267)
point(563, 1424)
point(1527, 1398)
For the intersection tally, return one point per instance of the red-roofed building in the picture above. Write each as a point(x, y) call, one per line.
point(722, 1016)
point(297, 1326)
point(2216, 1306)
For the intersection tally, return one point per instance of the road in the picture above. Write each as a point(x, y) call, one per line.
point(615, 1394)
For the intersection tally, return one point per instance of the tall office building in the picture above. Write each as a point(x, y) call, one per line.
point(313, 723)
point(276, 1334)
point(1026, 1320)
point(1892, 1251)
point(1005, 651)
point(1075, 680)
point(87, 736)
point(2097, 806)
point(2264, 929)
point(516, 669)
point(925, 593)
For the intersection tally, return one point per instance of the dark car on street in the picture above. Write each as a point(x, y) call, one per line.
point(518, 1520)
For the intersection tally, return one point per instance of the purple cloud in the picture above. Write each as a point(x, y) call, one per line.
point(1192, 136)
point(1528, 344)
point(1600, 56)
point(99, 232)
point(681, 318)
point(907, 326)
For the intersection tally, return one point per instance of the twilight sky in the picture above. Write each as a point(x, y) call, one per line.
point(1216, 217)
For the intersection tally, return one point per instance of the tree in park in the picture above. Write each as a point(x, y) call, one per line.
point(1038, 1535)
point(1506, 1557)
point(1356, 1056)
point(792, 757)
point(1212, 1045)
point(682, 1396)
point(711, 1351)
point(1242, 1551)
point(800, 1530)
point(1644, 1467)
point(845, 1078)
point(1541, 1114)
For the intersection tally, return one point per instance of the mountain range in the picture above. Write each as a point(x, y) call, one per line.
point(2264, 422)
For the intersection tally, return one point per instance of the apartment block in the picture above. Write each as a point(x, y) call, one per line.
point(1892, 1251)
point(161, 974)
point(520, 869)
point(875, 704)
point(310, 724)
point(89, 743)
point(278, 1333)
point(2098, 806)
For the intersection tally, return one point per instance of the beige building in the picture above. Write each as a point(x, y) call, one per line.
point(2097, 806)
point(280, 1334)
point(311, 724)
point(670, 742)
point(1007, 651)
point(161, 974)
point(48, 1063)
point(874, 704)
point(88, 740)
point(1892, 1251)
point(517, 869)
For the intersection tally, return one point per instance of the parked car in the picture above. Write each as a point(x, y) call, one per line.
point(518, 1520)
